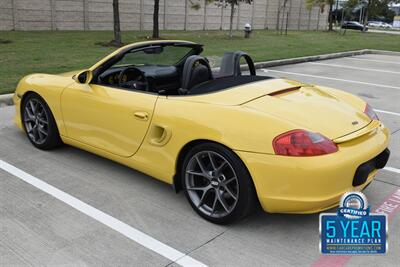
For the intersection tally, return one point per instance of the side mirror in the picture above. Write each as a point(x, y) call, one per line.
point(84, 77)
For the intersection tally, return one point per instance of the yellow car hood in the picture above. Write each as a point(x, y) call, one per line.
point(70, 73)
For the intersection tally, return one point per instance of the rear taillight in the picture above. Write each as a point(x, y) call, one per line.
point(369, 111)
point(301, 143)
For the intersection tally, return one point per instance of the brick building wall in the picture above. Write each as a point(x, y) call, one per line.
point(138, 15)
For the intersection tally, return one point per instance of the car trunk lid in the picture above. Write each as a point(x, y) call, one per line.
point(312, 109)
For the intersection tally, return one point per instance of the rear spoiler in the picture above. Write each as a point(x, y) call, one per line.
point(371, 127)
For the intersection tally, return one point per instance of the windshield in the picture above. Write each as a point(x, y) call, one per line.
point(155, 55)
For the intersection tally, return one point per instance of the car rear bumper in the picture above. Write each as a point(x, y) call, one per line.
point(312, 184)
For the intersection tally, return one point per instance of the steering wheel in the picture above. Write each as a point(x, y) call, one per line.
point(133, 78)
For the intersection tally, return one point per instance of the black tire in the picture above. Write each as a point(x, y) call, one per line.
point(246, 199)
point(52, 139)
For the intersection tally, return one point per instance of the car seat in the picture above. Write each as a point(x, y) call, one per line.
point(195, 71)
point(230, 64)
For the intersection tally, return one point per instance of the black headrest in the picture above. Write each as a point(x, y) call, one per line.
point(195, 71)
point(230, 64)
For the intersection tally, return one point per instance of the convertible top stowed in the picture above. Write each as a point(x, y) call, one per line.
point(224, 83)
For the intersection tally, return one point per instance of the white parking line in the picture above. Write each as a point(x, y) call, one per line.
point(330, 78)
point(119, 226)
point(373, 60)
point(387, 112)
point(391, 169)
point(354, 68)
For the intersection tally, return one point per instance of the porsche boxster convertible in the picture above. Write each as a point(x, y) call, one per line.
point(229, 139)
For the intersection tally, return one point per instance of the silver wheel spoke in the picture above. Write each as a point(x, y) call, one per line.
point(220, 168)
point(42, 131)
point(40, 134)
point(35, 132)
point(30, 130)
point(33, 107)
point(230, 180)
point(196, 173)
point(36, 108)
point(27, 119)
point(212, 161)
point(222, 201)
point(230, 192)
point(34, 129)
point(202, 168)
point(203, 196)
point(41, 120)
point(30, 114)
point(199, 188)
point(214, 202)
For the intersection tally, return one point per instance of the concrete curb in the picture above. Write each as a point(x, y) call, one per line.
point(384, 52)
point(6, 100)
point(280, 62)
point(296, 60)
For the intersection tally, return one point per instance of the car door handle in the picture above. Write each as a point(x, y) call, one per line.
point(141, 115)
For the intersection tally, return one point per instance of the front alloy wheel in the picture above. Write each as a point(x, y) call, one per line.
point(39, 123)
point(36, 121)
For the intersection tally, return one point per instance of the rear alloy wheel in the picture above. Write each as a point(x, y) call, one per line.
point(39, 123)
point(217, 184)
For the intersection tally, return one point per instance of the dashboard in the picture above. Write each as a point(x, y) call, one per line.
point(160, 78)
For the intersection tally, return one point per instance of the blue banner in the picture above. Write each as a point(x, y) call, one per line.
point(363, 235)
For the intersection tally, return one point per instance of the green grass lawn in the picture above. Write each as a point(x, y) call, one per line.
point(61, 51)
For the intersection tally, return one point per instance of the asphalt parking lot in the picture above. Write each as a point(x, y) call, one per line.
point(39, 229)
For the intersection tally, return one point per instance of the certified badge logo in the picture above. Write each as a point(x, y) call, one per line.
point(353, 205)
point(353, 230)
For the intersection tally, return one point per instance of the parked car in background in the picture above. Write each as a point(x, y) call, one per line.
point(380, 24)
point(386, 25)
point(354, 25)
point(374, 23)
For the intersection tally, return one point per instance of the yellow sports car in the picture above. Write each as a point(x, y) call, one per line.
point(230, 141)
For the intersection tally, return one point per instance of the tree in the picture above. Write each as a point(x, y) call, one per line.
point(330, 14)
point(375, 9)
point(232, 4)
point(224, 4)
point(367, 5)
point(282, 11)
point(321, 4)
point(378, 9)
point(117, 28)
point(231, 18)
point(156, 32)
point(196, 6)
